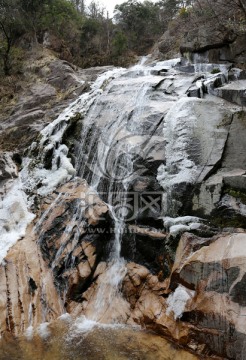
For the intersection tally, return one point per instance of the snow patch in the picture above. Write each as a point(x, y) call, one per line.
point(178, 229)
point(169, 63)
point(169, 221)
point(14, 218)
point(177, 301)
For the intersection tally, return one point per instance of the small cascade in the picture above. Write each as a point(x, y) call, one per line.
point(106, 162)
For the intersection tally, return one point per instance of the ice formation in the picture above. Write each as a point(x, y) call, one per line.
point(14, 218)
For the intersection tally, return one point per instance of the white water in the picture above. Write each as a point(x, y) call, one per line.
point(61, 168)
point(117, 125)
point(110, 170)
point(14, 217)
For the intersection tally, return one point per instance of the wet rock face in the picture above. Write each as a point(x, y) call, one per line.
point(222, 193)
point(8, 168)
point(205, 157)
point(196, 132)
point(28, 296)
point(73, 236)
point(192, 289)
point(217, 273)
point(144, 246)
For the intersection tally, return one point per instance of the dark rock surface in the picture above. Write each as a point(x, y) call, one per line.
point(50, 85)
point(215, 45)
point(73, 248)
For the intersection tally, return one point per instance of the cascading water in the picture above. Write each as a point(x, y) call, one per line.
point(106, 162)
point(121, 144)
point(117, 131)
point(99, 254)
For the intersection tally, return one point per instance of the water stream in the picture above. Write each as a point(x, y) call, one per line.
point(133, 135)
point(121, 144)
point(116, 131)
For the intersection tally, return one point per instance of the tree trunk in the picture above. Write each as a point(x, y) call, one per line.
point(6, 55)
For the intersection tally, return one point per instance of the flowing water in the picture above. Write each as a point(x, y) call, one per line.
point(106, 162)
point(121, 144)
point(116, 133)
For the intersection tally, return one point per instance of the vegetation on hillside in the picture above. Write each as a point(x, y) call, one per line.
point(82, 32)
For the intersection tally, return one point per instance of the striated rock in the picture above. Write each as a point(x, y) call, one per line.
point(202, 304)
point(28, 296)
point(196, 132)
point(228, 179)
point(72, 245)
point(28, 118)
point(54, 264)
point(216, 273)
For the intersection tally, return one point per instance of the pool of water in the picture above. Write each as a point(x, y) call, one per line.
point(98, 343)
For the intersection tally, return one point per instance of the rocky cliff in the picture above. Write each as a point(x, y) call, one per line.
point(169, 254)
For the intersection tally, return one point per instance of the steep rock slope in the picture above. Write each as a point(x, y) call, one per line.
point(164, 139)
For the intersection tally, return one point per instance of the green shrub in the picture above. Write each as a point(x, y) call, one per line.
point(215, 71)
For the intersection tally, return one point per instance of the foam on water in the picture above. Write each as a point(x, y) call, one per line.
point(43, 330)
point(14, 217)
point(29, 333)
point(83, 325)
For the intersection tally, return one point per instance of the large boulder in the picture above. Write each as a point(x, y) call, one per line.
point(233, 92)
point(196, 132)
point(214, 268)
point(214, 44)
point(229, 179)
point(202, 305)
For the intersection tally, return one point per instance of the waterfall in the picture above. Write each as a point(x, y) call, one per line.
point(132, 129)
point(120, 126)
point(106, 162)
